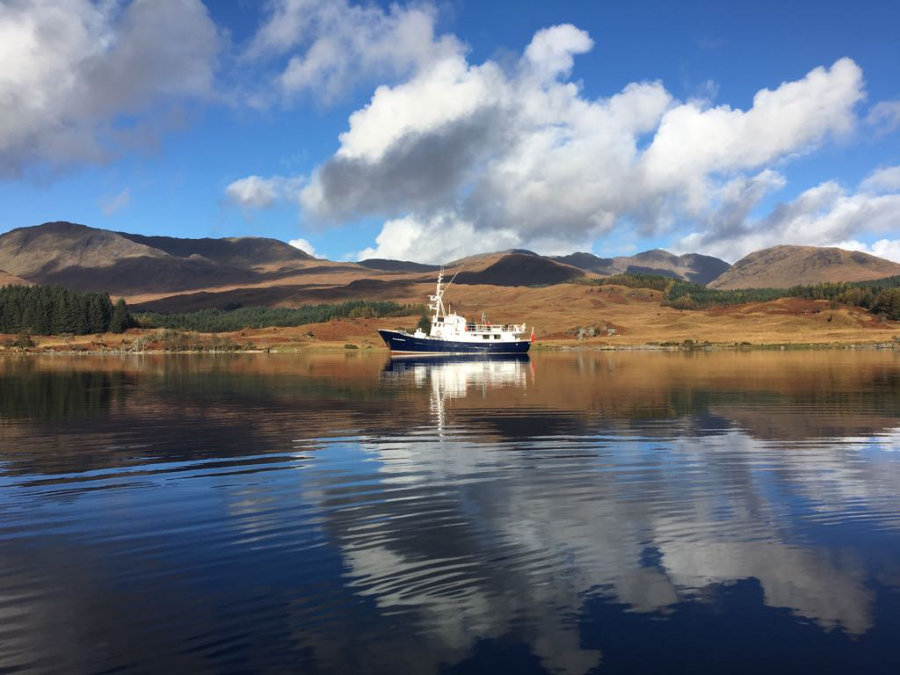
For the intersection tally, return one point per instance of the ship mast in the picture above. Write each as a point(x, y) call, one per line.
point(436, 303)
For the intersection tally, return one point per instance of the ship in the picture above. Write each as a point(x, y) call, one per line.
point(451, 333)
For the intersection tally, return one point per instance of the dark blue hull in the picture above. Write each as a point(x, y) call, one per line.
point(407, 344)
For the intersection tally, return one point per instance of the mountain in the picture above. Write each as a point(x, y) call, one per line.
point(588, 262)
point(93, 259)
point(700, 269)
point(39, 250)
point(396, 265)
point(512, 267)
point(170, 272)
point(232, 251)
point(515, 269)
point(786, 266)
point(478, 261)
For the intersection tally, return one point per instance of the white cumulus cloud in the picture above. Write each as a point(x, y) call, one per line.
point(883, 248)
point(885, 116)
point(693, 142)
point(304, 246)
point(458, 157)
point(520, 149)
point(886, 179)
point(439, 239)
point(551, 51)
point(69, 69)
point(333, 46)
point(253, 191)
point(262, 193)
point(825, 215)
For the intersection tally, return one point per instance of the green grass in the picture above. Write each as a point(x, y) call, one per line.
point(221, 320)
point(880, 296)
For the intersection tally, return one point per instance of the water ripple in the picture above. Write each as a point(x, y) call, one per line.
point(250, 516)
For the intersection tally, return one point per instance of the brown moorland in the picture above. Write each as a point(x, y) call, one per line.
point(89, 258)
point(512, 286)
point(700, 269)
point(7, 279)
point(569, 315)
point(786, 266)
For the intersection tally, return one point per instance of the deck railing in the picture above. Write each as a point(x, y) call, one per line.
point(495, 328)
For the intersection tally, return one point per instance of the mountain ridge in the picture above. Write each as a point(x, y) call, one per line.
point(695, 267)
point(79, 256)
point(218, 272)
point(789, 265)
point(388, 265)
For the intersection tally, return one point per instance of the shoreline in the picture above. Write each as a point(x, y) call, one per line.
point(567, 317)
point(557, 348)
point(635, 327)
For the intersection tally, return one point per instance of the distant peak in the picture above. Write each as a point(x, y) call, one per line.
point(655, 253)
point(58, 226)
point(788, 265)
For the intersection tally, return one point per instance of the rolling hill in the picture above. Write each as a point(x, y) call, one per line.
point(786, 266)
point(386, 265)
point(701, 269)
point(175, 274)
point(517, 269)
point(88, 258)
point(232, 251)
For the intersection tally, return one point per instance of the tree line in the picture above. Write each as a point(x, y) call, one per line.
point(53, 310)
point(234, 319)
point(879, 296)
point(657, 282)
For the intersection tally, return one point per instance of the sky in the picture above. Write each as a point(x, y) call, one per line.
point(431, 130)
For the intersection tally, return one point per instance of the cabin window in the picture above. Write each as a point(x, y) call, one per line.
point(496, 337)
point(486, 337)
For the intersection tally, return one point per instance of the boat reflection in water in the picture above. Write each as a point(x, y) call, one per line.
point(456, 572)
point(454, 374)
point(458, 376)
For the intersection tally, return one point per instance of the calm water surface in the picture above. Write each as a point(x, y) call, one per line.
point(571, 513)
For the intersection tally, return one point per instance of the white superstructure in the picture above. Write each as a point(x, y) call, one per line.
point(446, 325)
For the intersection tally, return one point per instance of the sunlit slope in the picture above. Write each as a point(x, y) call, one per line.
point(694, 267)
point(563, 312)
point(7, 279)
point(786, 266)
point(86, 258)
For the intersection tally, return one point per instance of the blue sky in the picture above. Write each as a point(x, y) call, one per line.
point(427, 131)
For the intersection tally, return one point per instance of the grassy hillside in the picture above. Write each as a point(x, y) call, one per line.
point(700, 269)
point(787, 266)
